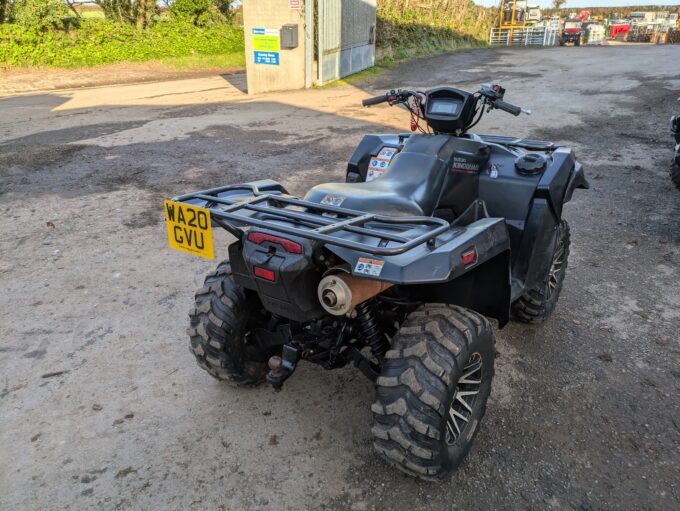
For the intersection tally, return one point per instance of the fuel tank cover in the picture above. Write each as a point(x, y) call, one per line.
point(531, 164)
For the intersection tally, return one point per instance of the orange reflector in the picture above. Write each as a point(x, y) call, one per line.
point(264, 273)
point(469, 257)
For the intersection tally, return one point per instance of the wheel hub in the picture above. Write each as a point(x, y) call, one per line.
point(464, 399)
point(556, 267)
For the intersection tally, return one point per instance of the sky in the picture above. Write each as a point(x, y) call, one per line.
point(575, 4)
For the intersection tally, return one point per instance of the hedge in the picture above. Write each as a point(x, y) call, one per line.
point(103, 42)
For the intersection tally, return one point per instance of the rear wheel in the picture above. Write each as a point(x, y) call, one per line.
point(539, 302)
point(675, 174)
point(220, 331)
point(432, 391)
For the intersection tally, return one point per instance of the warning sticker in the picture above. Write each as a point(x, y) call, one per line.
point(370, 267)
point(333, 200)
point(378, 164)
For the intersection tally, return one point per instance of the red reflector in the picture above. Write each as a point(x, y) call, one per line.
point(264, 273)
point(289, 246)
point(469, 257)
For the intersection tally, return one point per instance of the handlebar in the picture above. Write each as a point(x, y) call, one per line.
point(507, 107)
point(376, 100)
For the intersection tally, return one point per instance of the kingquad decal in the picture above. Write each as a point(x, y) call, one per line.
point(463, 165)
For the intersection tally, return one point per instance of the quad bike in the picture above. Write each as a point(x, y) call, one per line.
point(675, 165)
point(572, 32)
point(395, 270)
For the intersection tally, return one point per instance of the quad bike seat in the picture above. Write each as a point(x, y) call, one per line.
point(411, 187)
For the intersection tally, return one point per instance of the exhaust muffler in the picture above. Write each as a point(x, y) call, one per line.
point(339, 293)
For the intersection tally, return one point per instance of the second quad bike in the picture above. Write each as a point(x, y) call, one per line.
point(675, 165)
point(396, 269)
point(572, 32)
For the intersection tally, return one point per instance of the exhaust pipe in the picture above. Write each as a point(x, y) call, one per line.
point(339, 293)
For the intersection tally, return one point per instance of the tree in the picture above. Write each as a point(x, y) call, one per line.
point(557, 4)
point(139, 12)
point(116, 10)
point(5, 10)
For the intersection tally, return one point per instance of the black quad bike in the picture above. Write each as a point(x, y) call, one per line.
point(675, 165)
point(395, 270)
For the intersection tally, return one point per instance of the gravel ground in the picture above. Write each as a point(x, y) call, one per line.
point(103, 407)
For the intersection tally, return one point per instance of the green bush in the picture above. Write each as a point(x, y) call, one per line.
point(202, 13)
point(103, 42)
point(189, 9)
point(40, 14)
point(408, 28)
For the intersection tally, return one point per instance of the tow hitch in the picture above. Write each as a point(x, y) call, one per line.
point(280, 368)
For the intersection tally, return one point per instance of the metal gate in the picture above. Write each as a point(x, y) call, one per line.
point(346, 37)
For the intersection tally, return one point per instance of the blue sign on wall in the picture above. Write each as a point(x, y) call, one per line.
point(267, 57)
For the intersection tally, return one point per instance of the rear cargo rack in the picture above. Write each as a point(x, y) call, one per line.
point(320, 222)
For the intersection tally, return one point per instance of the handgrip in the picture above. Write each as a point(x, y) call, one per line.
point(375, 100)
point(507, 107)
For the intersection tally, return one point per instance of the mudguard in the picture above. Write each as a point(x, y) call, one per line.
point(488, 237)
point(559, 181)
point(447, 273)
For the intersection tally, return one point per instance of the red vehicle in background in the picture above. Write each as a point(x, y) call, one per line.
point(619, 30)
point(572, 31)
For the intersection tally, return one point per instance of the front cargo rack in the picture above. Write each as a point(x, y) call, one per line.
point(320, 222)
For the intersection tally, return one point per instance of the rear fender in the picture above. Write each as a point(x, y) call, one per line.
point(440, 275)
point(442, 263)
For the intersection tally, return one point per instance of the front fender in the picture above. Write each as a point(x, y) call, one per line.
point(577, 179)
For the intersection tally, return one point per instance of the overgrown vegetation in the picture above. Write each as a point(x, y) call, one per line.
point(56, 33)
point(414, 27)
point(61, 33)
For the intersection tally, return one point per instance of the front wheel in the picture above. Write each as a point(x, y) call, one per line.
point(540, 301)
point(675, 174)
point(432, 391)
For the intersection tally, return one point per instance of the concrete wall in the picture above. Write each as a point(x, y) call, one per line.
point(290, 72)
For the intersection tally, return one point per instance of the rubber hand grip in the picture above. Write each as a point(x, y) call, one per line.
point(375, 100)
point(507, 107)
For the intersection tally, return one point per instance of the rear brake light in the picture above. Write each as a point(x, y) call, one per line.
point(264, 273)
point(289, 246)
point(469, 257)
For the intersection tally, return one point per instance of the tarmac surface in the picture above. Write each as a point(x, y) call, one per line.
point(103, 407)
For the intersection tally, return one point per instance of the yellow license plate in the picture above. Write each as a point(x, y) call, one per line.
point(189, 229)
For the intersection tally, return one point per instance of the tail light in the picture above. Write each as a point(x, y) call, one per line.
point(292, 247)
